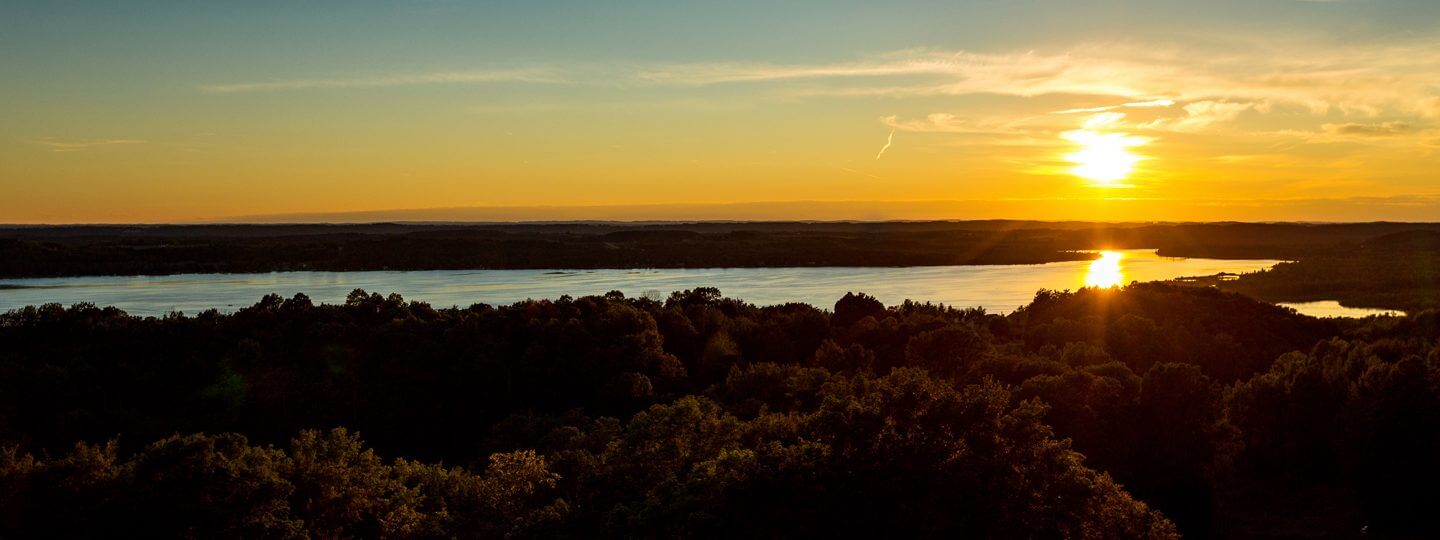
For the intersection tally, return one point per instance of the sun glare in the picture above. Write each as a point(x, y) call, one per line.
point(1104, 158)
point(1105, 272)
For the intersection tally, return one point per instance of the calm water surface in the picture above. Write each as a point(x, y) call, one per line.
point(1331, 308)
point(996, 288)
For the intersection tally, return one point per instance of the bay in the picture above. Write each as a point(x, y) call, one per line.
point(998, 288)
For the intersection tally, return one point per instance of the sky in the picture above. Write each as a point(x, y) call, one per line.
point(181, 111)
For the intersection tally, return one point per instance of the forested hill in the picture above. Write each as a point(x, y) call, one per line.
point(1398, 271)
point(171, 249)
point(1096, 413)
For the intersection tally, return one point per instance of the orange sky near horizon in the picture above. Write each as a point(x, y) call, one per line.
point(158, 113)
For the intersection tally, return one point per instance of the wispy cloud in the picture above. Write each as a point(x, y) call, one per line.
point(449, 77)
point(950, 123)
point(888, 141)
point(1383, 129)
point(1151, 104)
point(1393, 78)
point(76, 145)
point(1103, 120)
point(1396, 133)
point(621, 105)
point(1154, 103)
point(718, 73)
point(1202, 115)
point(858, 172)
point(1314, 76)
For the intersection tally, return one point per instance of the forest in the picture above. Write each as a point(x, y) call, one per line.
point(1399, 271)
point(172, 249)
point(1152, 411)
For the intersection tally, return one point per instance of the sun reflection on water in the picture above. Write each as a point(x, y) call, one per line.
point(1105, 272)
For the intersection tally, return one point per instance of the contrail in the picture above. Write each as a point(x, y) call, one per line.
point(888, 140)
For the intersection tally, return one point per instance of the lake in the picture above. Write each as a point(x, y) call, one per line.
point(999, 288)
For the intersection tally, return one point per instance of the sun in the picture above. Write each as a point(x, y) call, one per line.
point(1103, 158)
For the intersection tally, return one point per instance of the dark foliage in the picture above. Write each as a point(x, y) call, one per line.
point(706, 416)
point(1229, 336)
point(171, 249)
point(233, 249)
point(1398, 271)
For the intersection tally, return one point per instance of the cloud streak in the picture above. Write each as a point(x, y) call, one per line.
point(1396, 78)
point(1384, 129)
point(1310, 75)
point(1397, 133)
point(888, 141)
point(950, 123)
point(1203, 115)
point(77, 145)
point(721, 73)
point(538, 76)
point(1154, 103)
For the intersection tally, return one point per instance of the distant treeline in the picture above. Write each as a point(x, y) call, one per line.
point(1399, 271)
point(1089, 414)
point(171, 249)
